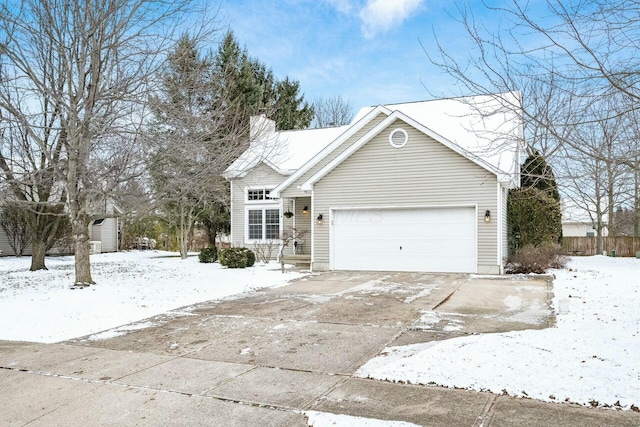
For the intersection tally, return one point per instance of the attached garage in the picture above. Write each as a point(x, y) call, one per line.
point(418, 186)
point(409, 239)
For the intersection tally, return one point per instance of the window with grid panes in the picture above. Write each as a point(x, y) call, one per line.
point(255, 224)
point(263, 224)
point(272, 223)
point(257, 194)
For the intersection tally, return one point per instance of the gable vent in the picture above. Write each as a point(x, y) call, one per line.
point(398, 138)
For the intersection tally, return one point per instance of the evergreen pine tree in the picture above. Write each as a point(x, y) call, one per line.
point(533, 211)
point(537, 173)
point(292, 112)
point(249, 87)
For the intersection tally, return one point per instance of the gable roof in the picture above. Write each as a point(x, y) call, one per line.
point(283, 151)
point(486, 129)
point(354, 127)
point(488, 126)
point(308, 184)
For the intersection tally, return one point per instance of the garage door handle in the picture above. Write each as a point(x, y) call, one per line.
point(400, 247)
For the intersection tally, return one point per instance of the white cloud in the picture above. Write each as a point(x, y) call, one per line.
point(343, 6)
point(381, 15)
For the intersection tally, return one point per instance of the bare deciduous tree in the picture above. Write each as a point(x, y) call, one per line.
point(13, 223)
point(569, 61)
point(92, 63)
point(594, 179)
point(31, 149)
point(331, 111)
point(193, 139)
point(289, 235)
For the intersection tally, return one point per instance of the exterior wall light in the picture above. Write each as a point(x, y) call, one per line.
point(305, 210)
point(320, 219)
point(487, 216)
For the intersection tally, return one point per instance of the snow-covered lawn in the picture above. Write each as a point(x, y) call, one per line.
point(591, 357)
point(40, 306)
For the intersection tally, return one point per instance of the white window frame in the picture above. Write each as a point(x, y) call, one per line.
point(262, 201)
point(262, 207)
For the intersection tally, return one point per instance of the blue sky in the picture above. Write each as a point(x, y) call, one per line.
point(367, 51)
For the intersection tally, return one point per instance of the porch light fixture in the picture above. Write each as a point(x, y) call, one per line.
point(487, 216)
point(320, 219)
point(305, 210)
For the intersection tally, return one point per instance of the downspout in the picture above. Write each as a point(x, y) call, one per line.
point(313, 230)
point(499, 228)
point(281, 248)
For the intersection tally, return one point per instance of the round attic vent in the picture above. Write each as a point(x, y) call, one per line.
point(398, 138)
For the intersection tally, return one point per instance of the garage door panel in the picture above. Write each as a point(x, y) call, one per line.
point(438, 240)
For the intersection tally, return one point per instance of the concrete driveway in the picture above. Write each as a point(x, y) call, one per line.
point(267, 357)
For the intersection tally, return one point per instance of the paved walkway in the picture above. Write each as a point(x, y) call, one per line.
point(266, 358)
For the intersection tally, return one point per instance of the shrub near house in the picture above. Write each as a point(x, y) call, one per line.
point(208, 255)
point(237, 257)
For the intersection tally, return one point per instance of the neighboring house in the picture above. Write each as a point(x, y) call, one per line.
point(106, 230)
point(580, 229)
point(5, 247)
point(406, 187)
point(577, 222)
point(104, 234)
point(7, 250)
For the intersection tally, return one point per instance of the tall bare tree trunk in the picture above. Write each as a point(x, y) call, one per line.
point(38, 252)
point(78, 207)
point(80, 229)
point(183, 233)
point(636, 203)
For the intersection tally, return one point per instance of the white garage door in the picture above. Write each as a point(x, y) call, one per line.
point(432, 240)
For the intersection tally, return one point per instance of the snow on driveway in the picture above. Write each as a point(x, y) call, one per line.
point(591, 356)
point(131, 286)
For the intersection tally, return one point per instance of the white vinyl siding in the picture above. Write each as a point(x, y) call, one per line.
point(300, 221)
point(5, 246)
point(106, 231)
point(261, 177)
point(294, 191)
point(422, 173)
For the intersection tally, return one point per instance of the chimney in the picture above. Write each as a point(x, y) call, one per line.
point(260, 126)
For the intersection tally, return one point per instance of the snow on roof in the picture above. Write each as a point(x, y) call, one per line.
point(284, 151)
point(302, 145)
point(488, 126)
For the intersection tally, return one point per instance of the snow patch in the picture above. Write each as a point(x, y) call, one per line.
point(324, 419)
point(123, 330)
point(422, 293)
point(590, 357)
point(131, 286)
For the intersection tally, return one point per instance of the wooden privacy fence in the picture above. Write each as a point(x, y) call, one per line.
point(623, 245)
